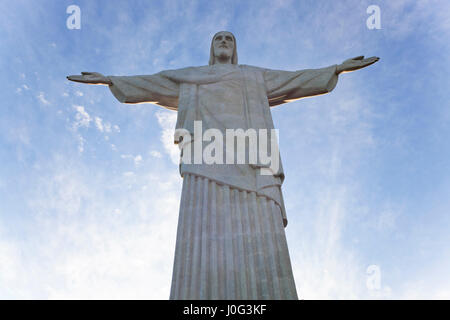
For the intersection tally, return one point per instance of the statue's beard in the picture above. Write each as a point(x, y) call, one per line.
point(223, 55)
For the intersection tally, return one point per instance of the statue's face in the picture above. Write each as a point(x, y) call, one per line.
point(223, 45)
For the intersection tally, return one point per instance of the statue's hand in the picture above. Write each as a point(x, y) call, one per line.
point(90, 78)
point(355, 64)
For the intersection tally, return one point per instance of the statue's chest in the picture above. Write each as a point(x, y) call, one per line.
point(223, 102)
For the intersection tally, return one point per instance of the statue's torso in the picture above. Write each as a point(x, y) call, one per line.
point(221, 104)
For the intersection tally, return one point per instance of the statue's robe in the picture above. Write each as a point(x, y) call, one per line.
point(231, 242)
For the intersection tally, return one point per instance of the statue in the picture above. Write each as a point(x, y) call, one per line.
point(231, 242)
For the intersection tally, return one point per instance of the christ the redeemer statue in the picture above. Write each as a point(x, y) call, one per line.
point(231, 242)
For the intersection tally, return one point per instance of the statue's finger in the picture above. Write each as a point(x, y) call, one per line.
point(351, 60)
point(368, 62)
point(372, 59)
point(77, 78)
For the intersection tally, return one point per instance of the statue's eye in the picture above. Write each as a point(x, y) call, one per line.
point(219, 38)
point(229, 38)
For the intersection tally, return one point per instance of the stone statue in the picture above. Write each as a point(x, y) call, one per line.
point(231, 242)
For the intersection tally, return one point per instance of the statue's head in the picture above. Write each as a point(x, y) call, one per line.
point(223, 48)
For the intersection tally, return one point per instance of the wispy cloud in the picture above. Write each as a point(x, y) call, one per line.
point(92, 245)
point(167, 122)
point(82, 118)
point(42, 99)
point(136, 159)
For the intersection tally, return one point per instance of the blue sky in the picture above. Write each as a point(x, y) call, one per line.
point(89, 187)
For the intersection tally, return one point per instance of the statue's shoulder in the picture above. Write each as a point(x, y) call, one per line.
point(252, 69)
point(211, 68)
point(206, 73)
point(186, 70)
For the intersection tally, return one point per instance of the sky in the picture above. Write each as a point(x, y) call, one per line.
point(90, 188)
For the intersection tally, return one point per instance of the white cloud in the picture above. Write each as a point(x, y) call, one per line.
point(107, 127)
point(403, 18)
point(91, 245)
point(136, 159)
point(323, 269)
point(99, 124)
point(42, 99)
point(155, 154)
point(386, 219)
point(129, 174)
point(424, 289)
point(82, 118)
point(167, 121)
point(9, 266)
point(81, 142)
point(102, 126)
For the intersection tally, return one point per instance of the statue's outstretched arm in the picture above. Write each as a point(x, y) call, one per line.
point(90, 78)
point(156, 88)
point(286, 86)
point(355, 64)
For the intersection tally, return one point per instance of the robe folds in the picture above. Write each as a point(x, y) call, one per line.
point(227, 97)
point(231, 242)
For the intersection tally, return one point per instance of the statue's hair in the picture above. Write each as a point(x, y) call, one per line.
point(234, 57)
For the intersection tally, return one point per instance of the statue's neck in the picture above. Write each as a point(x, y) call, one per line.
point(222, 60)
